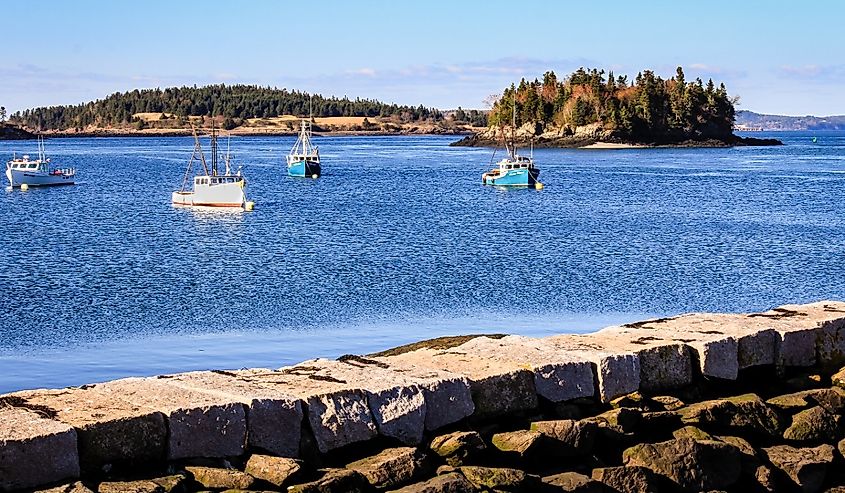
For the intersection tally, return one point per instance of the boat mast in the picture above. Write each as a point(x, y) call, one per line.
point(213, 150)
point(513, 128)
point(228, 157)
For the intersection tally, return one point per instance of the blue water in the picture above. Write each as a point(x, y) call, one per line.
point(397, 241)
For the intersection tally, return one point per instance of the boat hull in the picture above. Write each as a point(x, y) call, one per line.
point(512, 178)
point(222, 195)
point(37, 179)
point(303, 168)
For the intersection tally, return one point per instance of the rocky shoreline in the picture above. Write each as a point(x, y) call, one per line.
point(696, 402)
point(589, 135)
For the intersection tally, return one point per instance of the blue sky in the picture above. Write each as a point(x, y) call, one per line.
point(779, 57)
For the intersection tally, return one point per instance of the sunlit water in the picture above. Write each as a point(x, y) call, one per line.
point(397, 241)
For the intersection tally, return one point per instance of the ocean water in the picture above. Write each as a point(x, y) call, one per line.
point(396, 242)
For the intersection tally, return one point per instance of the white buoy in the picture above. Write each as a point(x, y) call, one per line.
point(315, 176)
point(24, 187)
point(539, 186)
point(249, 205)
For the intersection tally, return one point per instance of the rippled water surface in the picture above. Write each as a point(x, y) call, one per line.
point(397, 241)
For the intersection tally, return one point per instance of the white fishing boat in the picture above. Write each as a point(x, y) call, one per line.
point(211, 188)
point(37, 172)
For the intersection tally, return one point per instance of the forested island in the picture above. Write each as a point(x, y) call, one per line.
point(592, 106)
point(241, 109)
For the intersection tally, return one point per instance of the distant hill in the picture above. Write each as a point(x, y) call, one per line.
point(748, 120)
point(233, 104)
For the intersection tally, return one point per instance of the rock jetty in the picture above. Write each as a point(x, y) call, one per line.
point(696, 402)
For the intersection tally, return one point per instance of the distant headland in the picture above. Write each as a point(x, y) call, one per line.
point(589, 108)
point(751, 121)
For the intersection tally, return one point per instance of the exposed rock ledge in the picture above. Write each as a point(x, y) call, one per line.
point(11, 132)
point(697, 402)
point(589, 135)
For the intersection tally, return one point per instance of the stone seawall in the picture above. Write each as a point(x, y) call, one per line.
point(736, 402)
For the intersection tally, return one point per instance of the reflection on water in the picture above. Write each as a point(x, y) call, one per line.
point(397, 241)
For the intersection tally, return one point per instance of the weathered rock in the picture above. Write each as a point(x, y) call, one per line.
point(522, 443)
point(712, 338)
point(219, 478)
point(275, 417)
point(573, 482)
point(695, 465)
point(110, 431)
point(575, 437)
point(392, 467)
point(558, 376)
point(765, 478)
point(668, 402)
point(806, 467)
point(448, 483)
point(447, 395)
point(496, 478)
point(623, 419)
point(634, 400)
point(396, 402)
point(664, 363)
point(339, 415)
point(34, 450)
point(275, 470)
point(838, 378)
point(617, 370)
point(172, 483)
point(809, 332)
point(627, 479)
point(75, 487)
point(812, 425)
point(141, 486)
point(497, 387)
point(741, 444)
point(199, 424)
point(459, 447)
point(334, 481)
point(831, 399)
point(743, 413)
point(692, 432)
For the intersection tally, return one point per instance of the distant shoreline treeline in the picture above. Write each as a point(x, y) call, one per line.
point(232, 102)
point(647, 109)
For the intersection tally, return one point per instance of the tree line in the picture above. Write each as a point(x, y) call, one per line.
point(647, 108)
point(228, 101)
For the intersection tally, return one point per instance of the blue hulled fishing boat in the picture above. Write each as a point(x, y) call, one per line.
point(304, 158)
point(514, 170)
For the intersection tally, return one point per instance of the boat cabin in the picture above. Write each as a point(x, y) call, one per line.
point(25, 163)
point(216, 180)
